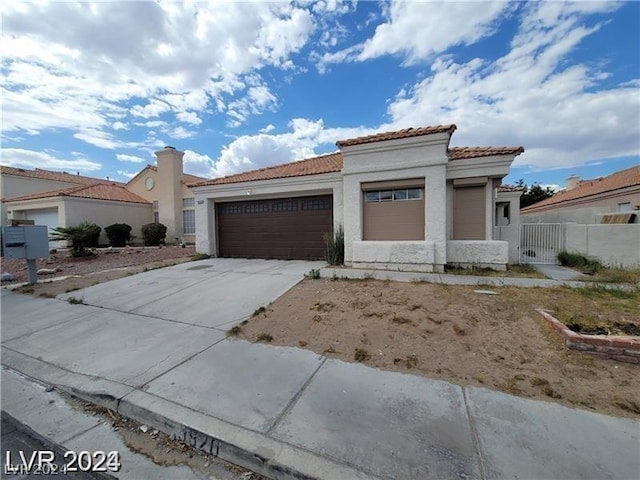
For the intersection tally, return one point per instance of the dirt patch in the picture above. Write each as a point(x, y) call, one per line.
point(88, 271)
point(452, 333)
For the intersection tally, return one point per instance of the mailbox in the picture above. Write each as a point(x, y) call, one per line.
point(26, 241)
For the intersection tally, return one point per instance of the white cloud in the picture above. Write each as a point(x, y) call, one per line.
point(119, 126)
point(18, 157)
point(169, 56)
point(181, 132)
point(123, 157)
point(189, 117)
point(268, 128)
point(420, 30)
point(127, 174)
point(257, 100)
point(198, 164)
point(533, 96)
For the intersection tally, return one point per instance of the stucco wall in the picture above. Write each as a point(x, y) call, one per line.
point(585, 211)
point(207, 196)
point(386, 255)
point(494, 254)
point(615, 245)
point(105, 213)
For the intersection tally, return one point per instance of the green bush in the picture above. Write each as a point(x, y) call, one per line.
point(118, 234)
point(335, 247)
point(579, 261)
point(81, 237)
point(153, 233)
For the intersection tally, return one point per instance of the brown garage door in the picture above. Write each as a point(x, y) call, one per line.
point(284, 228)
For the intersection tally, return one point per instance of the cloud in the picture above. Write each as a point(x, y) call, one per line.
point(198, 164)
point(257, 100)
point(420, 30)
point(168, 57)
point(532, 96)
point(129, 158)
point(127, 174)
point(268, 128)
point(18, 157)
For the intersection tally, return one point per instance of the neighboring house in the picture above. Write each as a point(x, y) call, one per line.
point(611, 199)
point(59, 199)
point(406, 201)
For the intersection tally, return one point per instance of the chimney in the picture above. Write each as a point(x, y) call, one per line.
point(571, 182)
point(169, 190)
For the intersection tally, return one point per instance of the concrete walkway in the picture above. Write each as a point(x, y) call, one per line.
point(559, 272)
point(155, 350)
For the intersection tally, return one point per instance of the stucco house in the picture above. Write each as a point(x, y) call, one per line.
point(611, 199)
point(405, 199)
point(60, 199)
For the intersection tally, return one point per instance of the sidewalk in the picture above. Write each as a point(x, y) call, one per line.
point(290, 413)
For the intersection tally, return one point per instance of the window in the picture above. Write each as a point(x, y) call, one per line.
point(395, 195)
point(156, 214)
point(285, 205)
point(188, 216)
point(231, 209)
point(258, 207)
point(316, 204)
point(625, 207)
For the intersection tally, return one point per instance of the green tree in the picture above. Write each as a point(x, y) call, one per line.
point(81, 237)
point(533, 194)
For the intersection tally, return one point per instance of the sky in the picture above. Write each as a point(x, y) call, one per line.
point(97, 87)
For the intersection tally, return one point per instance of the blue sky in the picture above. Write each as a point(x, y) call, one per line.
point(98, 87)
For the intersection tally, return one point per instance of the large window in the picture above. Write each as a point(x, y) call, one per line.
point(188, 216)
point(395, 195)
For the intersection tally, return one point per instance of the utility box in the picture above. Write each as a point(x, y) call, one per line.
point(25, 241)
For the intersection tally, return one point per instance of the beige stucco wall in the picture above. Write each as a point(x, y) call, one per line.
point(207, 196)
point(615, 245)
point(586, 211)
point(105, 213)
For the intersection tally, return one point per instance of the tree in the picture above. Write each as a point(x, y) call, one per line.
point(533, 194)
point(81, 237)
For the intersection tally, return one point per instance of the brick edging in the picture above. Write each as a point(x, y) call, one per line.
point(622, 349)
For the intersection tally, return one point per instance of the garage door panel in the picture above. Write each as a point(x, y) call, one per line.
point(292, 228)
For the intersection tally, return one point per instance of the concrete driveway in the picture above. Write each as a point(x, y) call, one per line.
point(210, 293)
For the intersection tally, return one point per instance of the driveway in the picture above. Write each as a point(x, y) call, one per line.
point(215, 293)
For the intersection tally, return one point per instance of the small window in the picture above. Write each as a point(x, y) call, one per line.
point(386, 195)
point(316, 204)
point(399, 195)
point(262, 207)
point(625, 207)
point(156, 217)
point(188, 221)
point(155, 204)
point(284, 206)
point(231, 209)
point(414, 194)
point(373, 196)
point(188, 202)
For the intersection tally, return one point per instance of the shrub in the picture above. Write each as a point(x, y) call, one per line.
point(335, 247)
point(118, 234)
point(81, 237)
point(153, 233)
point(581, 262)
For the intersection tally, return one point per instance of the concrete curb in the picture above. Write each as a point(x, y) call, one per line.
point(255, 451)
point(622, 349)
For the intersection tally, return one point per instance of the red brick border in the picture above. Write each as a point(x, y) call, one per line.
point(622, 349)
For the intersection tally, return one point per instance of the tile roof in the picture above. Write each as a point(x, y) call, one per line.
point(55, 176)
point(311, 166)
point(625, 178)
point(458, 153)
point(405, 133)
point(510, 188)
point(99, 191)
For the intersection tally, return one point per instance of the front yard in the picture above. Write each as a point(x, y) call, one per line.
point(455, 334)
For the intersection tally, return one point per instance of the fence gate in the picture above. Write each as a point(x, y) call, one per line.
point(540, 242)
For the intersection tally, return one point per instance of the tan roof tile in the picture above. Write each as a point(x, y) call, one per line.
point(623, 179)
point(458, 153)
point(55, 176)
point(405, 133)
point(311, 166)
point(98, 191)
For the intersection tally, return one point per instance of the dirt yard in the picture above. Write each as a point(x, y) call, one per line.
point(87, 271)
point(455, 334)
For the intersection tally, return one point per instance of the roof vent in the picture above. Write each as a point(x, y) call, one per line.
point(169, 147)
point(572, 182)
